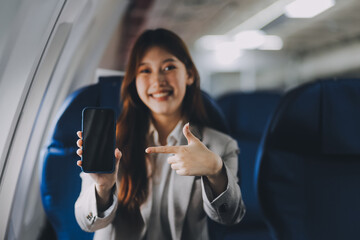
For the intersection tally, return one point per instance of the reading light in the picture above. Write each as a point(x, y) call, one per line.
point(228, 48)
point(272, 42)
point(227, 52)
point(250, 39)
point(210, 42)
point(307, 8)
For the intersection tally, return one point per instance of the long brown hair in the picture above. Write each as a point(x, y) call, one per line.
point(133, 123)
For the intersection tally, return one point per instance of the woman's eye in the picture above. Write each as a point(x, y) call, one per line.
point(144, 71)
point(167, 68)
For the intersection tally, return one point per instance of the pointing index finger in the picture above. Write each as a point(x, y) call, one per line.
point(163, 149)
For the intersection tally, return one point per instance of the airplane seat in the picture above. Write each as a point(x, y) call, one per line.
point(308, 170)
point(61, 184)
point(247, 115)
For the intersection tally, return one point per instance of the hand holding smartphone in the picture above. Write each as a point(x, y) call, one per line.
point(98, 132)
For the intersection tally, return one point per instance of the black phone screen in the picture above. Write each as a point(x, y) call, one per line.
point(98, 129)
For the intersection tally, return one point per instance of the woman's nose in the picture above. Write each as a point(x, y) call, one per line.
point(159, 78)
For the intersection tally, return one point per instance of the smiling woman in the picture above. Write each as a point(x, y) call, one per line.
point(151, 49)
point(161, 84)
point(160, 93)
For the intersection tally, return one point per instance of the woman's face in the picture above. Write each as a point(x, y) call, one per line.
point(161, 81)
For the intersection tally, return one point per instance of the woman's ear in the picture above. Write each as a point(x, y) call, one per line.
point(190, 78)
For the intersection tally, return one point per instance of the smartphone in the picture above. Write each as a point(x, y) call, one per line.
point(98, 132)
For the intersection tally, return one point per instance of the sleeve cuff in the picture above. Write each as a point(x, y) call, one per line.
point(111, 208)
point(209, 195)
point(227, 208)
point(86, 212)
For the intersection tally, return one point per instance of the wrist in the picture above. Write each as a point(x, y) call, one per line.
point(103, 198)
point(103, 190)
point(217, 169)
point(218, 181)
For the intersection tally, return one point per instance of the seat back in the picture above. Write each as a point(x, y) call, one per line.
point(247, 115)
point(309, 166)
point(61, 184)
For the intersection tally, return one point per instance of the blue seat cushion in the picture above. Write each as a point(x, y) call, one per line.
point(309, 168)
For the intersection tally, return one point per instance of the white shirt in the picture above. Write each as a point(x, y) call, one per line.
point(159, 227)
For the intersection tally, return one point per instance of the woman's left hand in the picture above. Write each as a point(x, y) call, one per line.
point(194, 159)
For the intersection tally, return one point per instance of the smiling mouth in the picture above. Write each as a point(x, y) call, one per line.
point(161, 95)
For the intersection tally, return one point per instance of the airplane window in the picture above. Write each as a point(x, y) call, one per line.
point(52, 49)
point(25, 30)
point(21, 42)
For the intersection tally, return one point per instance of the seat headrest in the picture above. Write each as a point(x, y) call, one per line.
point(105, 94)
point(247, 113)
point(215, 114)
point(341, 117)
point(321, 117)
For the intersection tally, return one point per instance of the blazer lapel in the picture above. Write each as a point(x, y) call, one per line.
point(180, 188)
point(179, 196)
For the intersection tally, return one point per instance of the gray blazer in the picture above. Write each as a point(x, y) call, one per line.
point(191, 198)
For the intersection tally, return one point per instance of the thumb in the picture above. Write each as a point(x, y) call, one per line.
point(118, 156)
point(187, 133)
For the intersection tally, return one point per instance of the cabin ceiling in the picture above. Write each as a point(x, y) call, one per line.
point(192, 19)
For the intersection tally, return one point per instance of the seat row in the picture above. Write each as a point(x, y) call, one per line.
point(299, 162)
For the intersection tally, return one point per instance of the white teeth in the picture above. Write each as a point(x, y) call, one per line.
point(160, 95)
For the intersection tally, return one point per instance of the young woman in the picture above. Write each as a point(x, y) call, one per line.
point(169, 176)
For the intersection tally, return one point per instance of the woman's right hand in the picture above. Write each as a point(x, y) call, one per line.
point(104, 181)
